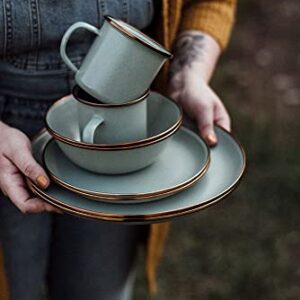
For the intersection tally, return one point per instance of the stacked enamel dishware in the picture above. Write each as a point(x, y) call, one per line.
point(116, 150)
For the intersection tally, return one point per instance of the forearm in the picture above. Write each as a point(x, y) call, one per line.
point(195, 51)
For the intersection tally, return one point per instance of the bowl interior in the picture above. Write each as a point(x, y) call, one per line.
point(162, 114)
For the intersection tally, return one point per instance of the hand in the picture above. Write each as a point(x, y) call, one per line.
point(200, 102)
point(196, 54)
point(16, 160)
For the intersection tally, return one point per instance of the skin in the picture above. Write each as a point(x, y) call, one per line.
point(195, 58)
point(16, 161)
point(196, 54)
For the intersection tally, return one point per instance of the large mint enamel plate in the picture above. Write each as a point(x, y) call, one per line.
point(182, 163)
point(226, 169)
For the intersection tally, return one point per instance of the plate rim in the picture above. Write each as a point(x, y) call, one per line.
point(100, 196)
point(123, 218)
point(155, 216)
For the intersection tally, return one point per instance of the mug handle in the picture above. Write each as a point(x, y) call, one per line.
point(66, 37)
point(88, 133)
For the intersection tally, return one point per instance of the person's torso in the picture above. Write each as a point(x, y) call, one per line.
point(32, 74)
point(32, 29)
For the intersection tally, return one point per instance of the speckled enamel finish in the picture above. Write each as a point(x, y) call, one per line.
point(226, 169)
point(117, 67)
point(162, 115)
point(113, 162)
point(119, 124)
point(186, 151)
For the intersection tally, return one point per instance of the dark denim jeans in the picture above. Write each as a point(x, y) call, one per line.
point(74, 258)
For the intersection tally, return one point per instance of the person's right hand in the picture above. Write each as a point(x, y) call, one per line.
point(17, 161)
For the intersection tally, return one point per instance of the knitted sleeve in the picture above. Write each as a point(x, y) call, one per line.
point(215, 17)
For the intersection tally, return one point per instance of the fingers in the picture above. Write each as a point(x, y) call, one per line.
point(221, 116)
point(51, 208)
point(201, 103)
point(14, 188)
point(15, 159)
point(26, 203)
point(25, 162)
point(210, 113)
point(204, 118)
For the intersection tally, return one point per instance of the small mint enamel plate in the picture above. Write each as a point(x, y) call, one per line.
point(183, 162)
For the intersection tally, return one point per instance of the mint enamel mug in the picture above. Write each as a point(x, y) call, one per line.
point(121, 63)
point(101, 123)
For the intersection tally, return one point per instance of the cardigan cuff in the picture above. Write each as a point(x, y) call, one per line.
point(213, 17)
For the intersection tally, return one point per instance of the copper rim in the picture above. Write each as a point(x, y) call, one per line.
point(81, 96)
point(116, 24)
point(123, 218)
point(155, 216)
point(107, 147)
point(142, 196)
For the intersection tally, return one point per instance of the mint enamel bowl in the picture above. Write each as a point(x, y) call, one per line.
point(164, 118)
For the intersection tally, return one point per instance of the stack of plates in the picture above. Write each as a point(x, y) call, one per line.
point(186, 178)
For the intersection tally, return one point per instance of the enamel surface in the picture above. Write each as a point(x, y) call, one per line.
point(226, 169)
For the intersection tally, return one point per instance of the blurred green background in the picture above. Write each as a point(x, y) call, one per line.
point(248, 246)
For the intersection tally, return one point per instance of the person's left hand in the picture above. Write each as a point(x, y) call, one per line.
point(200, 102)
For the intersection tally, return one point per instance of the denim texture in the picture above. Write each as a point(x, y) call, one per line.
point(31, 30)
point(75, 257)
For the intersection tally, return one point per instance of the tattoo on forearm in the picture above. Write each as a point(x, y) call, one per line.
point(188, 48)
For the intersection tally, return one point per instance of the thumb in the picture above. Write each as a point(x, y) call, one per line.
point(204, 118)
point(25, 162)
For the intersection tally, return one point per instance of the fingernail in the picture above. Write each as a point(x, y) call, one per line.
point(42, 181)
point(211, 139)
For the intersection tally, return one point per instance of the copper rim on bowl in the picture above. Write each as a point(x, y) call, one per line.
point(85, 98)
point(115, 147)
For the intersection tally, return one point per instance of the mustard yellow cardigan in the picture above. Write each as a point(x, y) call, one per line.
point(214, 17)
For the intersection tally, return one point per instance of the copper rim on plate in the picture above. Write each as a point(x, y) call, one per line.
point(149, 217)
point(124, 218)
point(142, 196)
